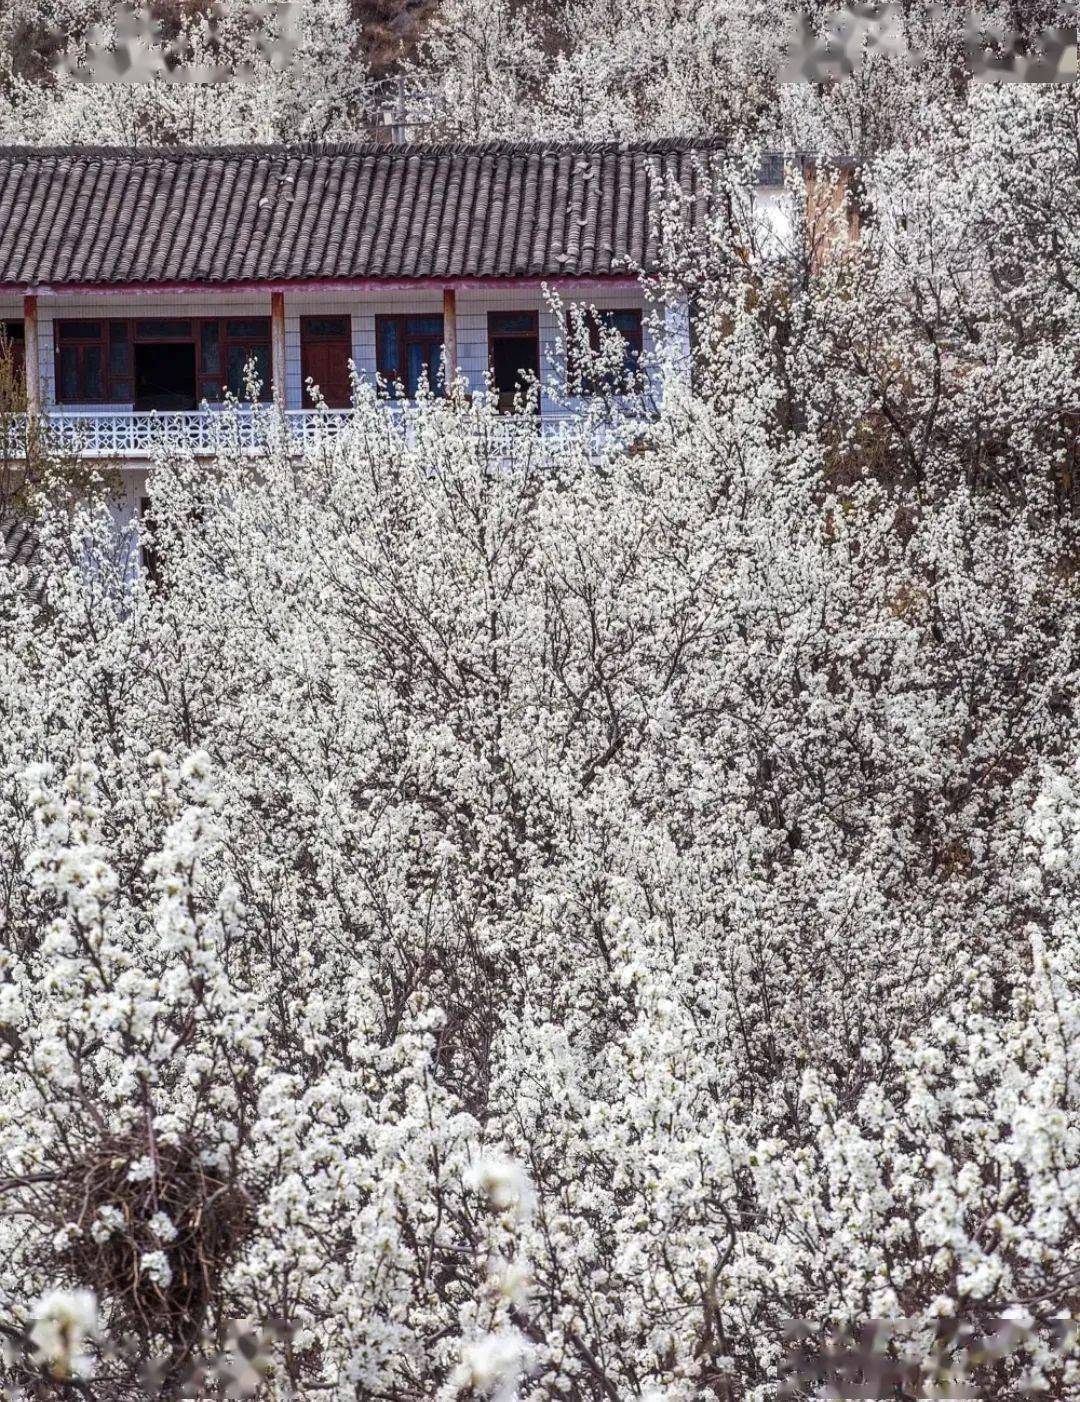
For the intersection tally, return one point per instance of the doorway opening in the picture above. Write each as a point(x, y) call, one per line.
point(514, 338)
point(165, 376)
point(13, 348)
point(324, 358)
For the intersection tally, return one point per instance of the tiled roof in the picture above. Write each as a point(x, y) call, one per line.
point(277, 214)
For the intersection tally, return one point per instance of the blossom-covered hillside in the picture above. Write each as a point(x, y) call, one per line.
point(485, 69)
point(487, 919)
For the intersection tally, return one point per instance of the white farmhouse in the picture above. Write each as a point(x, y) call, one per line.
point(139, 284)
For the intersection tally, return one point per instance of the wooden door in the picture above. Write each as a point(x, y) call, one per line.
point(325, 349)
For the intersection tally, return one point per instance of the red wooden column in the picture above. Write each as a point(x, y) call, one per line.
point(450, 349)
point(277, 346)
point(32, 351)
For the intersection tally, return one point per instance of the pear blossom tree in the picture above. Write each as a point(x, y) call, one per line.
point(519, 921)
point(255, 74)
point(480, 70)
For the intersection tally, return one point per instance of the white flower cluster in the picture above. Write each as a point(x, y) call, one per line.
point(62, 1324)
point(535, 932)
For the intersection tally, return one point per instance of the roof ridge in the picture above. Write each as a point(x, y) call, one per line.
point(364, 148)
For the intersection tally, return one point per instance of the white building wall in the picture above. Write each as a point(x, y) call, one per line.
point(473, 307)
point(56, 308)
point(126, 504)
point(364, 311)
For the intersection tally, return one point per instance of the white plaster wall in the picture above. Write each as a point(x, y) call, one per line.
point(675, 351)
point(126, 505)
point(55, 308)
point(773, 205)
point(472, 330)
point(473, 309)
point(472, 312)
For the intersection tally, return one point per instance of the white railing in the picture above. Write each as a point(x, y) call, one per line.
point(118, 434)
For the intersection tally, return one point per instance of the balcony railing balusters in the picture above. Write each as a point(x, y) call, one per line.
point(120, 434)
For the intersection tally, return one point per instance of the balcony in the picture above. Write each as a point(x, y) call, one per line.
point(118, 435)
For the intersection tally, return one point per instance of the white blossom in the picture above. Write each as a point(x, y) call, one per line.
point(503, 1183)
point(542, 929)
point(490, 1365)
point(62, 1322)
point(155, 1267)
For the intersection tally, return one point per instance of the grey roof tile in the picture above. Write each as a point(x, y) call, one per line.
point(275, 213)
